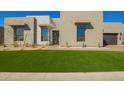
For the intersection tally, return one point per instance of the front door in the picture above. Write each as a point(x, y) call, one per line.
point(55, 37)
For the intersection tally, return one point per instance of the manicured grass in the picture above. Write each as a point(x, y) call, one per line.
point(61, 61)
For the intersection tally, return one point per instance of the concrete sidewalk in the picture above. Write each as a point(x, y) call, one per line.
point(103, 76)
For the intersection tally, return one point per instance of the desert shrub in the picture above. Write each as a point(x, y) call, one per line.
point(34, 45)
point(123, 41)
point(4, 45)
point(27, 45)
point(99, 44)
point(83, 44)
point(66, 43)
point(16, 44)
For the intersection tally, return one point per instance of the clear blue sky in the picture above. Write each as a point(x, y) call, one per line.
point(113, 16)
point(108, 16)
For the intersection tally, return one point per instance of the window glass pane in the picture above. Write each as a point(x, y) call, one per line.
point(19, 34)
point(20, 38)
point(44, 34)
point(81, 33)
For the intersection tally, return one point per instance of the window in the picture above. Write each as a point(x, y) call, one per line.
point(44, 34)
point(19, 34)
point(81, 33)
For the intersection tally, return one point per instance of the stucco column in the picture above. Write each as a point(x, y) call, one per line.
point(50, 35)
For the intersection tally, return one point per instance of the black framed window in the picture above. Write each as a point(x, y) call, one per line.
point(19, 34)
point(81, 32)
point(44, 33)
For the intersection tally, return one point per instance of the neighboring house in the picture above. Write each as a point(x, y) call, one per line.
point(1, 35)
point(77, 28)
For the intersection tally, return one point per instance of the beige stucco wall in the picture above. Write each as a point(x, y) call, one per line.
point(66, 26)
point(114, 28)
point(57, 26)
point(41, 21)
point(9, 30)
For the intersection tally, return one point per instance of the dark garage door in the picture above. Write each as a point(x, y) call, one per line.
point(110, 38)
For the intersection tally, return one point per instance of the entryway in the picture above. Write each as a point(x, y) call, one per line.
point(55, 37)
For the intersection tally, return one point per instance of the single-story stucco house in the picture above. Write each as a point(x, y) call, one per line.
point(73, 28)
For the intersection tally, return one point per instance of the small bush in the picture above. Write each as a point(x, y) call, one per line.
point(27, 45)
point(34, 45)
point(84, 45)
point(16, 44)
point(99, 44)
point(4, 45)
point(67, 45)
point(42, 46)
point(123, 41)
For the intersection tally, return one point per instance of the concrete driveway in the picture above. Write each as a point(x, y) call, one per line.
point(90, 76)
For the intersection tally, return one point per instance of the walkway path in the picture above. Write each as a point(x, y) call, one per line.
point(62, 76)
point(107, 48)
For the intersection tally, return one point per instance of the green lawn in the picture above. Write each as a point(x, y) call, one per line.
point(61, 61)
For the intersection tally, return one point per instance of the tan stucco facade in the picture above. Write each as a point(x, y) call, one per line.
point(29, 33)
point(67, 27)
point(114, 28)
point(42, 21)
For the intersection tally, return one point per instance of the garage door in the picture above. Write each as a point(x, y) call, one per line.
point(110, 38)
